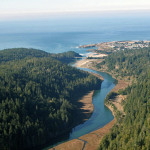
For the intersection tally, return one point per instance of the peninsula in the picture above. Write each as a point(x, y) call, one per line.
point(109, 47)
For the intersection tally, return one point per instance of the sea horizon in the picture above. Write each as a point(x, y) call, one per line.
point(56, 34)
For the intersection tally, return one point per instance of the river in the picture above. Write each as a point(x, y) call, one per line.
point(101, 114)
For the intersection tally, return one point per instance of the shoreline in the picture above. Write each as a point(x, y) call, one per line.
point(121, 84)
point(92, 139)
point(86, 102)
point(86, 106)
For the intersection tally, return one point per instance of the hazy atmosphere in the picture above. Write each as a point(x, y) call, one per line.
point(75, 74)
point(11, 8)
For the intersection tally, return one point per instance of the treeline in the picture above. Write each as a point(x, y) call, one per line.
point(38, 97)
point(66, 57)
point(133, 132)
point(21, 53)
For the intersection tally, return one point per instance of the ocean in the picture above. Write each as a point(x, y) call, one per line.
point(60, 34)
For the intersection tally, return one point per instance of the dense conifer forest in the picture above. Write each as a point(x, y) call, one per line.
point(128, 62)
point(20, 53)
point(38, 96)
point(132, 131)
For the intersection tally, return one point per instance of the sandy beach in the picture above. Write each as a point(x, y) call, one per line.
point(88, 63)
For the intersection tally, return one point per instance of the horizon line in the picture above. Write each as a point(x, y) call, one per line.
point(75, 11)
point(8, 15)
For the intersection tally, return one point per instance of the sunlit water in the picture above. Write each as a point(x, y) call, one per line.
point(101, 114)
point(58, 34)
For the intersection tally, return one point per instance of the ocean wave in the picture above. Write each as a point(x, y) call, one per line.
point(82, 54)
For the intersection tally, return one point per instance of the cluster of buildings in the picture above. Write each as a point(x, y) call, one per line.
point(121, 45)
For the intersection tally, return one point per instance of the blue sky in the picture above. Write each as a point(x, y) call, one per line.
point(15, 7)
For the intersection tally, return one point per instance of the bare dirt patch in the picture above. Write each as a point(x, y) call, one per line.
point(87, 142)
point(120, 85)
point(86, 105)
point(117, 102)
point(70, 145)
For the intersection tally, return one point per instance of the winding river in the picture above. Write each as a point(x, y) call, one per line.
point(101, 114)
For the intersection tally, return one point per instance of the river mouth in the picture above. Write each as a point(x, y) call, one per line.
point(101, 114)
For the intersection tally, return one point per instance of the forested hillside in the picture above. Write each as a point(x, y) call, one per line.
point(128, 62)
point(37, 97)
point(21, 53)
point(133, 132)
point(66, 57)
